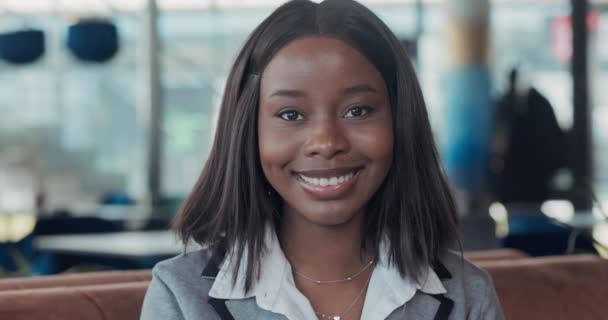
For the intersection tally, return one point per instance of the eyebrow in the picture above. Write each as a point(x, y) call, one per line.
point(288, 93)
point(360, 88)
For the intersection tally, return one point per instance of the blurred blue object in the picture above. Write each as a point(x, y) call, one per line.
point(22, 47)
point(539, 235)
point(15, 257)
point(116, 198)
point(93, 40)
point(7, 262)
point(468, 128)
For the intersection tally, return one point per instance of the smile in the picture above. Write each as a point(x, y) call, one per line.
point(328, 184)
point(330, 181)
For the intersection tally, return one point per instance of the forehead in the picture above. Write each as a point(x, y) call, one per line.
point(315, 63)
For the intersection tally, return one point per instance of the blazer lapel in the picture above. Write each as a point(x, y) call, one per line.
point(220, 307)
point(424, 306)
point(445, 307)
point(445, 304)
point(210, 272)
point(234, 309)
point(421, 307)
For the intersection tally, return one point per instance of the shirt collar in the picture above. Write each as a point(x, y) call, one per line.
point(275, 289)
point(388, 271)
point(272, 268)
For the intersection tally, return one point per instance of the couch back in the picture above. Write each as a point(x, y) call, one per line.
point(556, 288)
point(76, 279)
point(495, 255)
point(116, 301)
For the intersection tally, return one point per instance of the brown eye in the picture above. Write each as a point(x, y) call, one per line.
point(291, 116)
point(358, 111)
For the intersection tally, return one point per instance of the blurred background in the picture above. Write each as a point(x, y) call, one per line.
point(108, 109)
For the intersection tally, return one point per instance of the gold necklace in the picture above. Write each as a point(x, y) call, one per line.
point(347, 279)
point(348, 309)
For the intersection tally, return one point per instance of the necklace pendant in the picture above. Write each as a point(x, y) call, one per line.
point(336, 317)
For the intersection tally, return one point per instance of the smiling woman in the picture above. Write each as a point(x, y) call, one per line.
point(333, 105)
point(322, 197)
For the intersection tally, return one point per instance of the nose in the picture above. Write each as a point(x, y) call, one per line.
point(327, 140)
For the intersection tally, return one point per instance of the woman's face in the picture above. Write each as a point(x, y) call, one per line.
point(324, 128)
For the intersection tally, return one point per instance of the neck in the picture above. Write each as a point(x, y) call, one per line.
point(323, 252)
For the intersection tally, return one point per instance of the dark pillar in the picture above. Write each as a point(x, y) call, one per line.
point(581, 159)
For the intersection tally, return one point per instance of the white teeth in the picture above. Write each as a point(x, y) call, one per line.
point(324, 182)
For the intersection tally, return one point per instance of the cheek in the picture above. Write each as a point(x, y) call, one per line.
point(376, 143)
point(276, 151)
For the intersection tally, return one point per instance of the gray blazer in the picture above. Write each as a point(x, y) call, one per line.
point(179, 288)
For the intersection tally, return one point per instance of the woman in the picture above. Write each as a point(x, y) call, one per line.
point(322, 197)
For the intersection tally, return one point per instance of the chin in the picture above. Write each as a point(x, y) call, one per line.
point(329, 217)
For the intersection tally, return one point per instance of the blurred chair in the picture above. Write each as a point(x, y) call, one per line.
point(93, 40)
point(22, 46)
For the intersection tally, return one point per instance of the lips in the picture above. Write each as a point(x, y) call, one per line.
point(330, 183)
point(327, 181)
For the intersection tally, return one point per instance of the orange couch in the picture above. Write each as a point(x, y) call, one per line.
point(116, 301)
point(495, 255)
point(556, 288)
point(76, 279)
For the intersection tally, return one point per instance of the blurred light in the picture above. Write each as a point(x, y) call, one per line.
point(498, 212)
point(15, 227)
point(561, 210)
point(600, 234)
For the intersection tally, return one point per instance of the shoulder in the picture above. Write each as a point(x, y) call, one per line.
point(470, 288)
point(183, 266)
point(178, 288)
point(183, 274)
point(473, 280)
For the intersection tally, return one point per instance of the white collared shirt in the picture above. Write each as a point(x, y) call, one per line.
point(276, 290)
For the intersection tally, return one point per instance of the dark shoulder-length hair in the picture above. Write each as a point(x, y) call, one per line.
point(230, 205)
